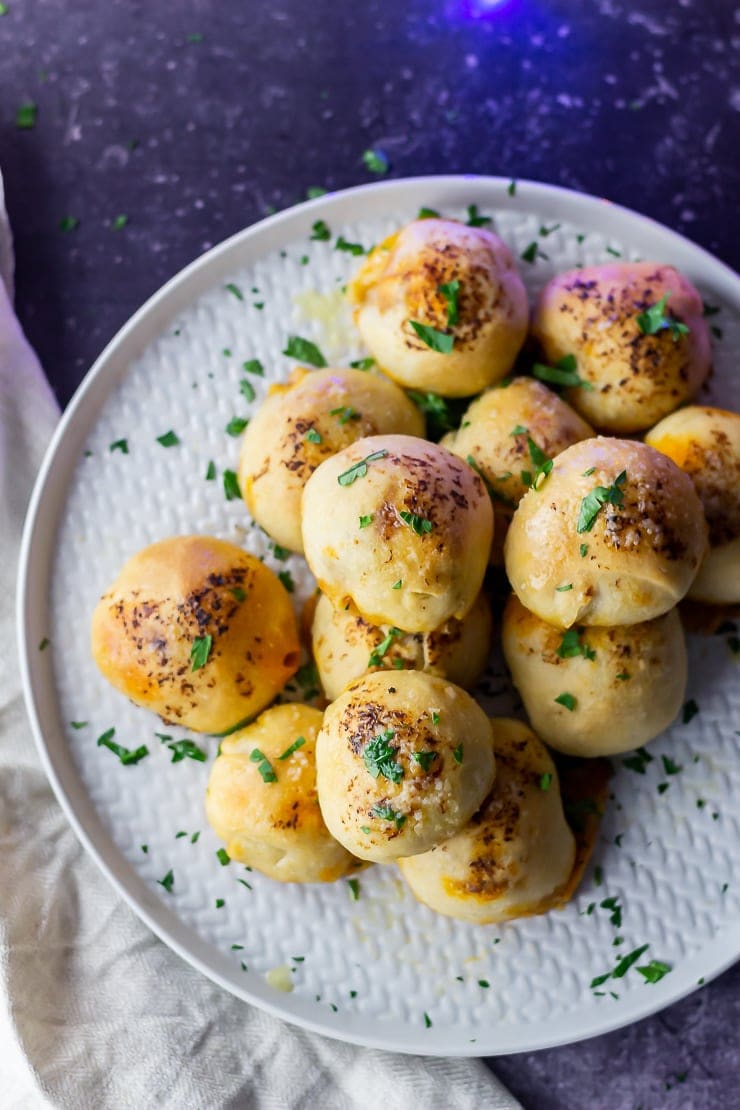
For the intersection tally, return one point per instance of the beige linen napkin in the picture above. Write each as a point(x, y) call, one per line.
point(95, 1012)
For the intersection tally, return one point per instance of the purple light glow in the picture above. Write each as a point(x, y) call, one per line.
point(475, 9)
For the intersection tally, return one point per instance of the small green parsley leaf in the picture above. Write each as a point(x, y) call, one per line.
point(79, 724)
point(519, 430)
point(293, 748)
point(545, 231)
point(427, 214)
point(451, 291)
point(387, 813)
point(601, 495)
point(458, 753)
point(239, 593)
point(363, 364)
point(186, 749)
point(436, 340)
point(254, 366)
point(119, 445)
point(320, 231)
point(314, 191)
point(354, 889)
point(231, 486)
point(379, 757)
point(43, 645)
point(313, 436)
point(624, 676)
point(638, 762)
point(424, 759)
point(366, 521)
point(169, 439)
point(670, 767)
point(119, 222)
point(167, 882)
point(427, 1021)
point(236, 426)
point(583, 550)
point(211, 471)
point(305, 351)
point(654, 971)
point(564, 589)
point(343, 244)
point(566, 700)
point(563, 373)
point(529, 254)
point(571, 645)
point(234, 290)
point(546, 780)
point(418, 524)
point(287, 580)
point(223, 857)
point(690, 710)
point(68, 223)
point(655, 319)
point(345, 413)
point(25, 119)
point(627, 961)
point(247, 390)
point(397, 586)
point(376, 161)
point(511, 188)
point(220, 903)
point(359, 469)
point(540, 461)
point(264, 766)
point(126, 755)
point(475, 219)
point(436, 409)
point(200, 651)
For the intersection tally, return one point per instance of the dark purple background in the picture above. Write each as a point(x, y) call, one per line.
point(193, 140)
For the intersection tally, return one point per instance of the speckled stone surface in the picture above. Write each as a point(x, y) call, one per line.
point(193, 119)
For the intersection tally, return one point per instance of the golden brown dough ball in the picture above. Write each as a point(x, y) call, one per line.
point(198, 631)
point(515, 857)
point(346, 646)
point(705, 442)
point(636, 374)
point(504, 435)
point(613, 536)
point(459, 281)
point(402, 528)
point(262, 801)
point(402, 762)
point(312, 416)
point(596, 691)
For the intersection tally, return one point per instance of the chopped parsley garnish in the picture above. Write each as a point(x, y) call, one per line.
point(615, 911)
point(583, 550)
point(314, 191)
point(345, 413)
point(239, 593)
point(79, 724)
point(343, 244)
point(689, 711)
point(546, 780)
point(68, 223)
point(601, 495)
point(169, 439)
point(451, 291)
point(655, 319)
point(424, 759)
point(366, 521)
point(493, 493)
point(670, 767)
point(613, 252)
point(377, 653)
point(119, 222)
point(305, 351)
point(43, 644)
point(511, 188)
point(571, 645)
point(220, 903)
point(564, 589)
point(376, 161)
point(427, 1021)
point(234, 290)
point(518, 430)
point(359, 469)
point(474, 217)
point(223, 857)
point(654, 972)
point(231, 486)
point(540, 461)
point(167, 882)
point(180, 835)
point(566, 700)
point(200, 651)
point(627, 961)
point(254, 366)
point(313, 436)
point(363, 364)
point(195, 838)
point(397, 586)
point(236, 426)
point(287, 580)
point(545, 231)
point(247, 390)
point(263, 766)
point(563, 373)
point(638, 762)
point(354, 889)
point(587, 473)
point(380, 757)
point(436, 340)
point(435, 717)
point(293, 748)
point(529, 254)
point(387, 813)
point(186, 749)
point(427, 214)
point(457, 754)
point(436, 409)
point(211, 471)
point(25, 118)
point(418, 524)
point(484, 984)
point(624, 676)
point(119, 445)
point(710, 309)
point(320, 231)
point(126, 755)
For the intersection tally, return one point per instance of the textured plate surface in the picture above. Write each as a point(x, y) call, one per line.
point(367, 971)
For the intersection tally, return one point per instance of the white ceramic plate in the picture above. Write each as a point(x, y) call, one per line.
point(366, 971)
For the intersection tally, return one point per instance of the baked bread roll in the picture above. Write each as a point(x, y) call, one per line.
point(515, 857)
point(402, 528)
point(461, 282)
point(642, 356)
point(402, 762)
point(507, 435)
point(596, 691)
point(346, 646)
point(262, 802)
point(312, 416)
point(613, 536)
point(705, 442)
point(197, 630)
